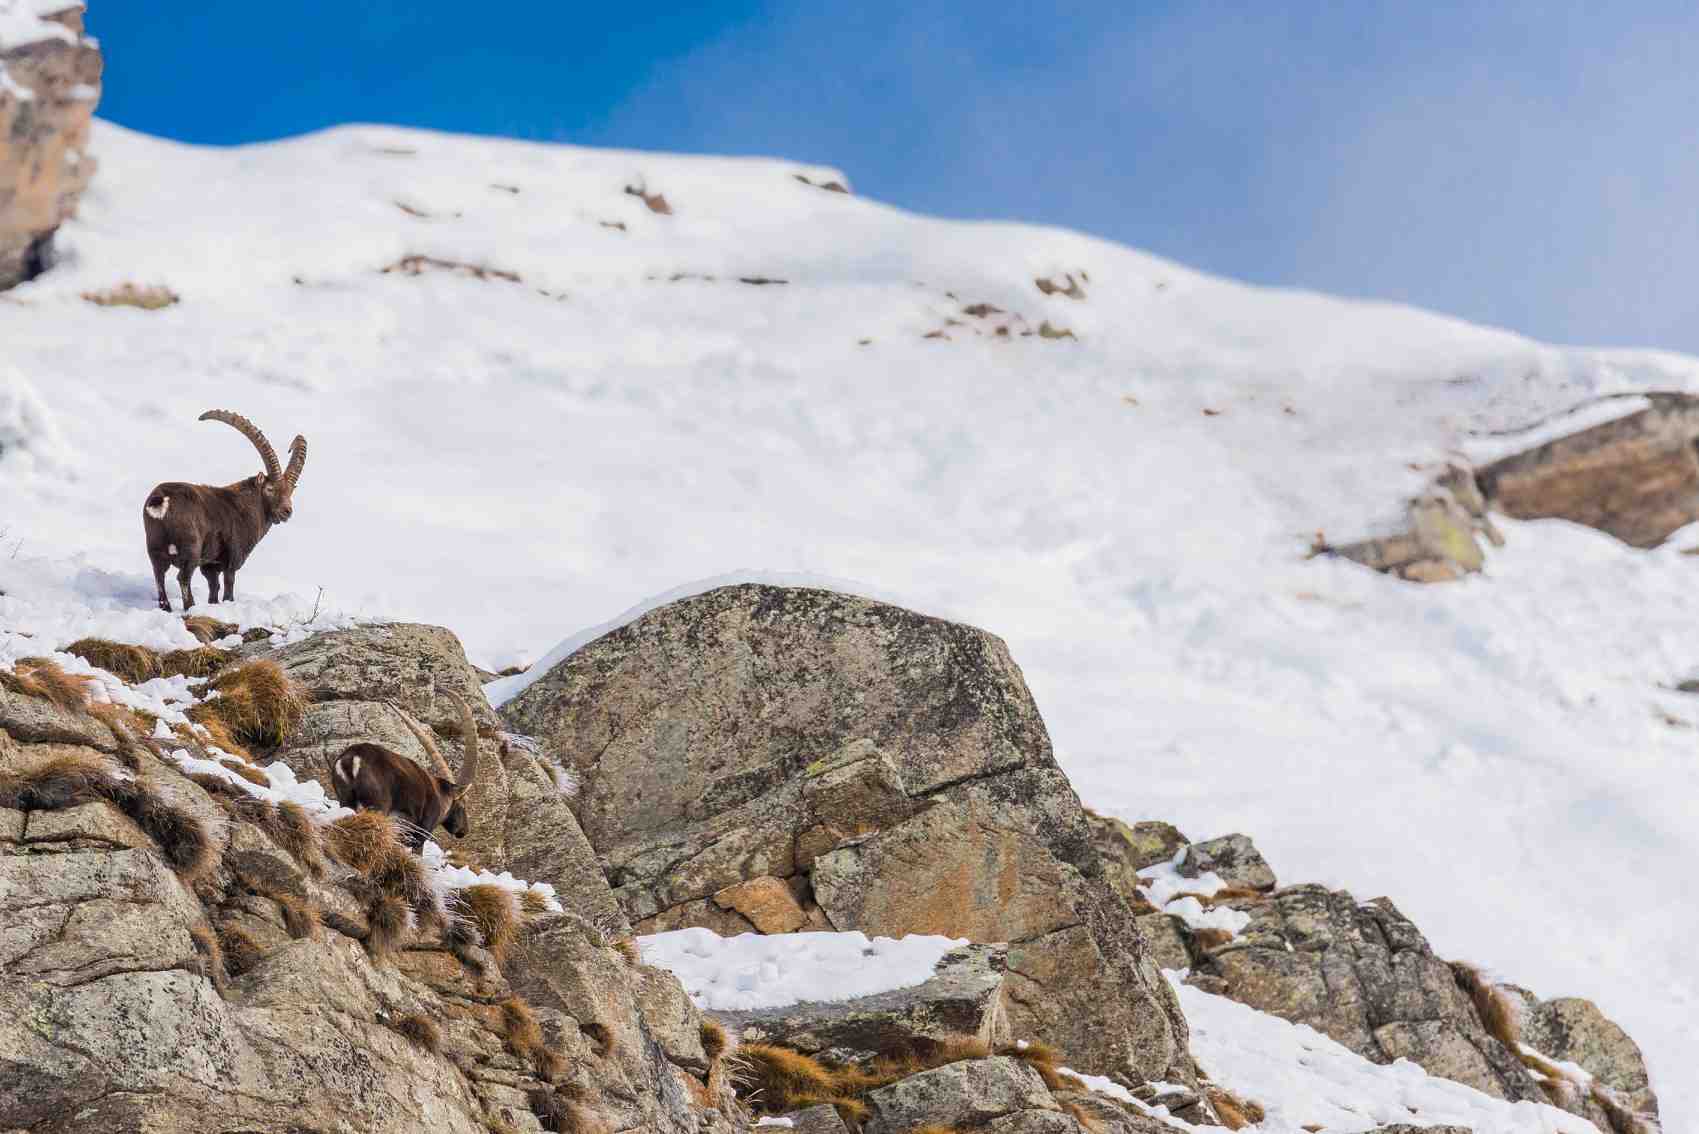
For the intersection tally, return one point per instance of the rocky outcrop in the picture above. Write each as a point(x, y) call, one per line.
point(1636, 477)
point(891, 768)
point(245, 986)
point(358, 679)
point(49, 85)
point(1440, 537)
point(963, 998)
point(974, 1092)
point(1363, 974)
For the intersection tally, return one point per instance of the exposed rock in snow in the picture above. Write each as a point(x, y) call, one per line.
point(49, 83)
point(893, 762)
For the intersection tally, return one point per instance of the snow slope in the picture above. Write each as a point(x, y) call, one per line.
point(1128, 507)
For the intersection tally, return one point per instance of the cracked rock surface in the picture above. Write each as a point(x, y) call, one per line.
point(890, 768)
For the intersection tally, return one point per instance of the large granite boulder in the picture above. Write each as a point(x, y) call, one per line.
point(964, 997)
point(973, 1092)
point(49, 85)
point(892, 767)
point(360, 680)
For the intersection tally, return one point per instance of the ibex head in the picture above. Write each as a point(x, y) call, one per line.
point(276, 483)
point(451, 787)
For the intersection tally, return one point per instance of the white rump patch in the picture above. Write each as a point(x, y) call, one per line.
point(159, 512)
point(170, 548)
point(355, 774)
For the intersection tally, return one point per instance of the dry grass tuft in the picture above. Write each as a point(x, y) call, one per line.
point(556, 1112)
point(1498, 1013)
point(66, 781)
point(257, 701)
point(532, 902)
point(242, 954)
point(714, 1038)
point(42, 677)
point(420, 1029)
point(289, 827)
point(1041, 1057)
point(149, 297)
point(300, 917)
point(1082, 1116)
point(212, 734)
point(389, 919)
point(126, 726)
point(599, 1034)
point(222, 791)
point(1235, 1113)
point(495, 913)
point(919, 1055)
point(1208, 938)
point(775, 1080)
point(207, 629)
point(247, 771)
point(364, 840)
point(628, 949)
point(132, 663)
point(519, 1026)
point(202, 661)
point(212, 957)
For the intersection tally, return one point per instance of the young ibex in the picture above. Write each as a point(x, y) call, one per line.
point(213, 528)
point(371, 777)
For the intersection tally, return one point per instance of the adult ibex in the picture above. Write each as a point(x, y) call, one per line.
point(214, 528)
point(372, 777)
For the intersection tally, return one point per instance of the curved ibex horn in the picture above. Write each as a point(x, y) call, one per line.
point(425, 742)
point(252, 432)
point(469, 737)
point(297, 460)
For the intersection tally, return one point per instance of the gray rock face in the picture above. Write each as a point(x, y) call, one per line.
point(1127, 849)
point(963, 998)
point(1575, 1031)
point(1234, 858)
point(821, 1119)
point(51, 88)
point(892, 766)
point(1363, 975)
point(134, 1001)
point(519, 817)
point(970, 1093)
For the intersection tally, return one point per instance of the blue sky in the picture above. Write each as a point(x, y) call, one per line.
point(1526, 164)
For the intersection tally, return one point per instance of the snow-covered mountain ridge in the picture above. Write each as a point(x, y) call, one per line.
point(1129, 506)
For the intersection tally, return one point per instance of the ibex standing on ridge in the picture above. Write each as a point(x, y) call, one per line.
point(372, 777)
point(192, 526)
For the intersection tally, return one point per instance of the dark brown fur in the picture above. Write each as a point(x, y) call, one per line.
point(214, 528)
point(370, 777)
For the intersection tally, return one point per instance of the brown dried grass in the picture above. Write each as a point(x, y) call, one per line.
point(43, 678)
point(201, 661)
point(207, 629)
point(131, 663)
point(258, 702)
point(242, 954)
point(1235, 1112)
point(67, 781)
point(495, 913)
point(420, 1029)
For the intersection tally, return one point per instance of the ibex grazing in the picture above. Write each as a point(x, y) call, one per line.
point(372, 777)
point(211, 528)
